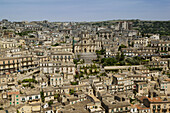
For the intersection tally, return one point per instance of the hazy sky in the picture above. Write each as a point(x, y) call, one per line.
point(84, 10)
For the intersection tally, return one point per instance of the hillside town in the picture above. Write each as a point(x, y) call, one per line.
point(83, 67)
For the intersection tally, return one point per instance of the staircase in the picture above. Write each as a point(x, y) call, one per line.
point(88, 57)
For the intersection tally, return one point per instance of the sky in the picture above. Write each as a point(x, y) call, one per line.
point(84, 10)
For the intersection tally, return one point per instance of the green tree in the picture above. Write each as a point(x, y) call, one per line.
point(121, 46)
point(118, 56)
point(4, 27)
point(66, 36)
point(50, 103)
point(74, 83)
point(122, 57)
point(71, 91)
point(56, 96)
point(29, 80)
point(42, 96)
point(56, 44)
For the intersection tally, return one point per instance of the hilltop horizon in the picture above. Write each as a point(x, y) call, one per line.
point(83, 21)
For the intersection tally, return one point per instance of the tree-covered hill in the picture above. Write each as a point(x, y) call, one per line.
point(145, 27)
point(155, 27)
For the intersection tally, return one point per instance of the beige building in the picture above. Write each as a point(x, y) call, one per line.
point(161, 45)
point(157, 104)
point(95, 105)
point(55, 67)
point(49, 94)
point(14, 97)
point(56, 80)
point(122, 83)
point(142, 51)
point(25, 108)
point(88, 44)
point(8, 44)
point(142, 88)
point(112, 105)
point(141, 42)
point(165, 86)
point(14, 64)
point(62, 56)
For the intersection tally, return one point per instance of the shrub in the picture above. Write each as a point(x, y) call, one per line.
point(50, 103)
point(71, 91)
point(74, 83)
point(29, 80)
point(56, 44)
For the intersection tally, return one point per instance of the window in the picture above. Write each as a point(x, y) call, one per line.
point(140, 87)
point(164, 105)
point(30, 98)
point(145, 85)
point(117, 109)
point(23, 99)
point(69, 58)
point(17, 102)
point(36, 97)
point(16, 95)
point(17, 99)
point(159, 106)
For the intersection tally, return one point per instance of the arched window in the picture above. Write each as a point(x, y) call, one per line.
point(69, 58)
point(85, 50)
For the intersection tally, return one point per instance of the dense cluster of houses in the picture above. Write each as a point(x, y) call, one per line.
point(54, 67)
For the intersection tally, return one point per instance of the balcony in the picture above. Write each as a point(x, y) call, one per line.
point(23, 100)
point(158, 108)
point(164, 108)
